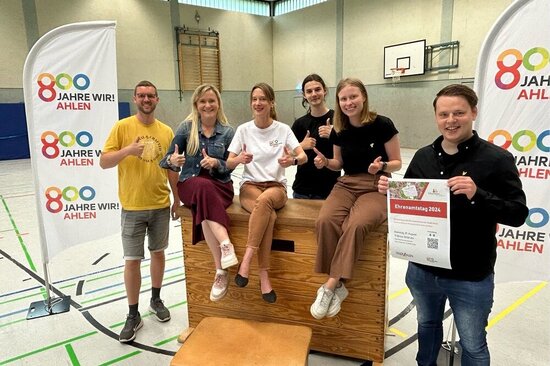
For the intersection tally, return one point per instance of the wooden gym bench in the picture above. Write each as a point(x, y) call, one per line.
point(357, 331)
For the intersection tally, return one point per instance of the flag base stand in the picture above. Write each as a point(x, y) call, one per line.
point(39, 309)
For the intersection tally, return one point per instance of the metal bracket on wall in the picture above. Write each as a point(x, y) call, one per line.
point(442, 56)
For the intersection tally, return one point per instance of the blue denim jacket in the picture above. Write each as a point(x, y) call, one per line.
point(215, 146)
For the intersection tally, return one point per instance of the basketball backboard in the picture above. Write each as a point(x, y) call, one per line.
point(409, 56)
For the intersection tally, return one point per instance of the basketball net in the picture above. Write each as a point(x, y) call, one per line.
point(396, 73)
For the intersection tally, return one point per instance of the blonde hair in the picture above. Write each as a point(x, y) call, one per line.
point(194, 116)
point(341, 121)
point(269, 94)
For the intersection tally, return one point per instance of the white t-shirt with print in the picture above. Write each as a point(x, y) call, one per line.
point(266, 145)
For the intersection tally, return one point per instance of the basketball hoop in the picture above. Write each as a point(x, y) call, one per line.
point(396, 73)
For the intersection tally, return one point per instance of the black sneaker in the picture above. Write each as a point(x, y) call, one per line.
point(133, 324)
point(156, 306)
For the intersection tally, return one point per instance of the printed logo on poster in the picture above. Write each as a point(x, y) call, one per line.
point(529, 149)
point(75, 203)
point(74, 152)
point(69, 92)
point(530, 240)
point(515, 67)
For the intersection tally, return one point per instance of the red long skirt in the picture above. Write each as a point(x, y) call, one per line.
point(208, 199)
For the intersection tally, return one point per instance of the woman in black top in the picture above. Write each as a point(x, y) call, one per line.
point(366, 146)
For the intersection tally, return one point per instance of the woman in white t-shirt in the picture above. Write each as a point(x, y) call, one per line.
point(266, 147)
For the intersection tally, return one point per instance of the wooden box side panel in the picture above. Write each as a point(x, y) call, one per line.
point(357, 331)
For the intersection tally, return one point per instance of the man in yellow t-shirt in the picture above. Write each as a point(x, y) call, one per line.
point(136, 145)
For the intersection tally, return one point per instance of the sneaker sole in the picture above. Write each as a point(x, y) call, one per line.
point(157, 317)
point(221, 296)
point(230, 262)
point(135, 333)
point(313, 314)
point(332, 314)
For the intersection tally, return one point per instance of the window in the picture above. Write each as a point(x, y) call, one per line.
point(198, 58)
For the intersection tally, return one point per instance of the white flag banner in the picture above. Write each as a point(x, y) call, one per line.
point(71, 103)
point(513, 84)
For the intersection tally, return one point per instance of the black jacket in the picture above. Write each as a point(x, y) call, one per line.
point(499, 199)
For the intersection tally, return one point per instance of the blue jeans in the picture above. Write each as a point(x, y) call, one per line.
point(471, 303)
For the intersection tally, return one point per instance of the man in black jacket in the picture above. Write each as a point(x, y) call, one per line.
point(485, 190)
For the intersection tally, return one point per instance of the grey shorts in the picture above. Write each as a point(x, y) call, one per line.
point(135, 225)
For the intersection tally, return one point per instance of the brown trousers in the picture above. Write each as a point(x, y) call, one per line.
point(261, 200)
point(353, 209)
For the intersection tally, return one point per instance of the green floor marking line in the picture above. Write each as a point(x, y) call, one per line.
point(23, 246)
point(143, 285)
point(103, 297)
point(166, 341)
point(121, 358)
point(171, 259)
point(72, 355)
point(5, 362)
point(145, 315)
point(67, 286)
point(104, 276)
point(42, 292)
point(13, 322)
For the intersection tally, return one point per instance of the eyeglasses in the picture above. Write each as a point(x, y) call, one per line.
point(142, 96)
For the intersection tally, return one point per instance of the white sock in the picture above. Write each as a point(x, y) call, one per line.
point(220, 271)
point(226, 241)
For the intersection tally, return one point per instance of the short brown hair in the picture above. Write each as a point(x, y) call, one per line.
point(145, 83)
point(458, 90)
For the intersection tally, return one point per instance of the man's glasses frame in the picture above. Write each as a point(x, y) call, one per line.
point(150, 96)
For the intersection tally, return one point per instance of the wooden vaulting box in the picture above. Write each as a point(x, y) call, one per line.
point(357, 331)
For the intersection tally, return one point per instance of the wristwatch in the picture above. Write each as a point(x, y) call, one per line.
point(295, 161)
point(384, 165)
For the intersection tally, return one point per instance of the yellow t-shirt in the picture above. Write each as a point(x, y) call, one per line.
point(142, 183)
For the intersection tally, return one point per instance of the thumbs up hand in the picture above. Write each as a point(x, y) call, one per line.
point(207, 162)
point(287, 159)
point(324, 130)
point(177, 159)
point(320, 161)
point(136, 147)
point(376, 165)
point(308, 143)
point(244, 156)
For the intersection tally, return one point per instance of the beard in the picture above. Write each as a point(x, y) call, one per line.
point(146, 108)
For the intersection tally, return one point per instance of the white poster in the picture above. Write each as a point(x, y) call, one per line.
point(419, 221)
point(513, 85)
point(71, 103)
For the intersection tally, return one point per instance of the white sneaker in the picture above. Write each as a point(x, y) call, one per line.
point(340, 294)
point(219, 287)
point(228, 255)
point(320, 307)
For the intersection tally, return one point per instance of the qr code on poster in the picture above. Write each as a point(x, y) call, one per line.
point(433, 243)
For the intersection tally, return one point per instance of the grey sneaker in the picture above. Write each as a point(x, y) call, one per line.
point(156, 306)
point(133, 324)
point(320, 307)
point(340, 294)
point(228, 255)
point(219, 288)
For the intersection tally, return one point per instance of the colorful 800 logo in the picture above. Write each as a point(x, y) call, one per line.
point(539, 53)
point(521, 141)
point(55, 196)
point(50, 140)
point(47, 83)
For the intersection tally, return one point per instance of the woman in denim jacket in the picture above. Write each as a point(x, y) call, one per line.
point(199, 151)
